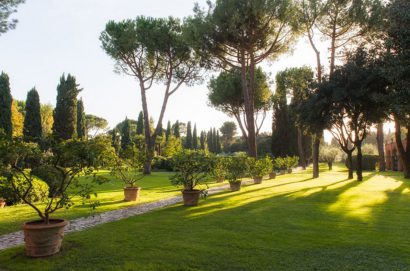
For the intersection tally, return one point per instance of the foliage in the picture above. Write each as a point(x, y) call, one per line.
point(219, 169)
point(69, 160)
point(328, 154)
point(65, 112)
point(126, 135)
point(140, 123)
point(8, 7)
point(369, 162)
point(17, 120)
point(46, 111)
point(93, 124)
point(5, 105)
point(225, 94)
point(129, 167)
point(369, 149)
point(193, 168)
point(172, 146)
point(228, 131)
point(81, 122)
point(162, 163)
point(32, 131)
point(188, 140)
point(259, 167)
point(195, 138)
point(35, 194)
point(237, 167)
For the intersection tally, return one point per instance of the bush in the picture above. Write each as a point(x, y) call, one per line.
point(36, 193)
point(162, 163)
point(237, 167)
point(219, 167)
point(369, 162)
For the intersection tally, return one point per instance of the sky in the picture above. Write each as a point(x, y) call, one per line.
point(62, 36)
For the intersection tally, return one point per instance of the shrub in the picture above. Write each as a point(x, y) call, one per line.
point(328, 155)
point(129, 167)
point(369, 162)
point(36, 193)
point(259, 167)
point(162, 163)
point(219, 169)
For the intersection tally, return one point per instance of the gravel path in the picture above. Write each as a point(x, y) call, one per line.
point(79, 224)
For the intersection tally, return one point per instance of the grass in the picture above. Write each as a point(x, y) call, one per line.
point(110, 195)
point(290, 223)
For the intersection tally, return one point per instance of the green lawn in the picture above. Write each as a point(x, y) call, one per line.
point(154, 187)
point(290, 223)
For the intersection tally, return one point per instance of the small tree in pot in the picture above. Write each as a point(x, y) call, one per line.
point(280, 163)
point(19, 162)
point(219, 168)
point(259, 168)
point(236, 168)
point(193, 169)
point(128, 168)
point(290, 162)
point(328, 155)
point(274, 169)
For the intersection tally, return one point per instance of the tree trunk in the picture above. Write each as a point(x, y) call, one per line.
point(249, 106)
point(316, 146)
point(148, 141)
point(380, 147)
point(302, 158)
point(404, 152)
point(359, 170)
point(330, 165)
point(349, 165)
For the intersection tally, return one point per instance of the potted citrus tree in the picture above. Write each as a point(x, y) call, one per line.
point(219, 169)
point(259, 168)
point(70, 160)
point(128, 168)
point(290, 162)
point(280, 164)
point(236, 168)
point(274, 168)
point(193, 169)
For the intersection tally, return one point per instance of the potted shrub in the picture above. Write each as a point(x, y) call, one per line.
point(70, 159)
point(128, 168)
point(272, 174)
point(236, 168)
point(219, 169)
point(2, 203)
point(193, 169)
point(259, 168)
point(290, 162)
point(280, 164)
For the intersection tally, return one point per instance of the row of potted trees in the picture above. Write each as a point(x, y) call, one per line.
point(195, 168)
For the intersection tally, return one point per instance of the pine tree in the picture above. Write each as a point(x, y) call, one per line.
point(81, 129)
point(65, 113)
point(188, 143)
point(195, 139)
point(202, 140)
point(5, 105)
point(140, 124)
point(169, 131)
point(176, 129)
point(126, 134)
point(32, 129)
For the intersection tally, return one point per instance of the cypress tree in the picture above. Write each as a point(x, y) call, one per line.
point(176, 130)
point(65, 113)
point(169, 131)
point(115, 139)
point(140, 124)
point(209, 138)
point(195, 139)
point(218, 143)
point(126, 134)
point(188, 143)
point(214, 140)
point(202, 140)
point(81, 129)
point(5, 105)
point(32, 129)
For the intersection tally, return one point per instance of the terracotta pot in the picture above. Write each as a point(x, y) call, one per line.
point(289, 170)
point(43, 239)
point(257, 180)
point(220, 180)
point(191, 197)
point(131, 193)
point(2, 203)
point(272, 175)
point(235, 186)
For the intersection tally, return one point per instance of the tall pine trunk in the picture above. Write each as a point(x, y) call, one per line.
point(359, 170)
point(301, 150)
point(315, 158)
point(380, 147)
